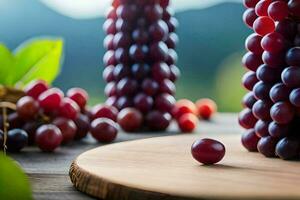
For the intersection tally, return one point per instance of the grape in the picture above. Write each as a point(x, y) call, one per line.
point(268, 74)
point(249, 17)
point(160, 71)
point(111, 101)
point(150, 86)
point(250, 3)
point(208, 151)
point(153, 13)
point(138, 53)
point(164, 102)
point(130, 119)
point(108, 73)
point(127, 86)
point(67, 128)
point(250, 140)
point(123, 25)
point(261, 8)
point(79, 95)
point(127, 12)
point(261, 90)
point(263, 25)
point(273, 42)
point(253, 44)
point(282, 112)
point(14, 121)
point(295, 97)
point(247, 119)
point(278, 10)
point(158, 51)
point(121, 40)
point(104, 130)
point(68, 108)
point(109, 58)
point(27, 108)
point(249, 80)
point(30, 128)
point(48, 137)
point(294, 7)
point(140, 36)
point(143, 103)
point(249, 100)
point(167, 86)
point(274, 60)
point(51, 99)
point(82, 123)
point(124, 102)
point(104, 111)
point(158, 31)
point(278, 130)
point(287, 28)
point(17, 139)
point(35, 88)
point(172, 57)
point(261, 128)
point(290, 76)
point(288, 148)
point(122, 56)
point(164, 3)
point(279, 92)
point(109, 27)
point(267, 145)
point(121, 71)
point(252, 61)
point(172, 24)
point(261, 109)
point(174, 73)
point(110, 89)
point(111, 13)
point(140, 71)
point(293, 57)
point(158, 121)
point(172, 40)
point(108, 42)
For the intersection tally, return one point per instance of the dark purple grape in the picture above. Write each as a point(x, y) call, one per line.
point(160, 71)
point(250, 140)
point(123, 25)
point(127, 87)
point(138, 53)
point(249, 100)
point(14, 121)
point(261, 90)
point(167, 86)
point(159, 51)
point(143, 102)
point(150, 86)
point(153, 13)
point(294, 8)
point(278, 130)
point(267, 145)
point(124, 102)
point(108, 42)
point(111, 101)
point(172, 57)
point(252, 61)
point(158, 121)
point(249, 17)
point(122, 40)
point(110, 89)
point(293, 57)
point(17, 139)
point(247, 119)
point(122, 56)
point(268, 74)
point(253, 44)
point(174, 73)
point(158, 31)
point(249, 80)
point(30, 128)
point(279, 92)
point(261, 109)
point(287, 28)
point(140, 36)
point(107, 74)
point(288, 148)
point(127, 12)
point(82, 123)
point(172, 24)
point(109, 58)
point(140, 71)
point(261, 128)
point(290, 76)
point(276, 60)
point(172, 40)
point(273, 42)
point(121, 71)
point(295, 97)
point(164, 102)
point(282, 112)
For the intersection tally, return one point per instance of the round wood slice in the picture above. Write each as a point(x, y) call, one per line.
point(163, 168)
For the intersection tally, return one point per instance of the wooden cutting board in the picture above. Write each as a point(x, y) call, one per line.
point(163, 168)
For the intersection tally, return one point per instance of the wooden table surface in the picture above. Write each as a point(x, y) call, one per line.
point(48, 172)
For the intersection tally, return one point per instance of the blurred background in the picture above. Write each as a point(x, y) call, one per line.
point(211, 44)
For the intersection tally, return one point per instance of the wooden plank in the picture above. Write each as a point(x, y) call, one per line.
point(163, 168)
point(47, 169)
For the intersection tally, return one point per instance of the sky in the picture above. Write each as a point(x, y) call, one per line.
point(85, 9)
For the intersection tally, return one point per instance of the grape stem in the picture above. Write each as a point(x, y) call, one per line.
point(4, 105)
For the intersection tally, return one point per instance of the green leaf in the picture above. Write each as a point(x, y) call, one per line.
point(13, 182)
point(6, 63)
point(37, 59)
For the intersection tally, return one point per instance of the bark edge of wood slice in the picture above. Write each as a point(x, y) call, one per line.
point(163, 168)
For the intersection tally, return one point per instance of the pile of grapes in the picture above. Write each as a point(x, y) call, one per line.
point(272, 106)
point(140, 60)
point(46, 118)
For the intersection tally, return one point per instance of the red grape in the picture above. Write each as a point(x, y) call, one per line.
point(35, 88)
point(67, 128)
point(104, 130)
point(48, 138)
point(27, 108)
point(130, 119)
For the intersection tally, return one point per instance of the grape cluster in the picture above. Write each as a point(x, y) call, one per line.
point(47, 118)
point(271, 107)
point(140, 61)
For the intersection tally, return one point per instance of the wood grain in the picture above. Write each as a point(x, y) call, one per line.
point(162, 168)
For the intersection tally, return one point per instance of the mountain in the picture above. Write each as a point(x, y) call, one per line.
point(207, 37)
